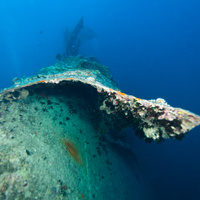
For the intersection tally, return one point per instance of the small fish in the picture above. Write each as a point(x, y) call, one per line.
point(72, 149)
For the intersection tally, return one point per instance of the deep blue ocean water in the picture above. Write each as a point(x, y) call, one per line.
point(152, 49)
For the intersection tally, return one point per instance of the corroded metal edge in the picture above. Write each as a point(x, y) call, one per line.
point(154, 119)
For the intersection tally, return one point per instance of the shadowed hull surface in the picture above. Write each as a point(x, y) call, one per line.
point(54, 145)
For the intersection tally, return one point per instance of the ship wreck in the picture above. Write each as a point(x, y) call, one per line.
point(60, 134)
point(61, 138)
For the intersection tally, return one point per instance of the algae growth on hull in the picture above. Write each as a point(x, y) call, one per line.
point(60, 134)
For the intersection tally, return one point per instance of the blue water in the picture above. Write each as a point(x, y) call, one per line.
point(152, 49)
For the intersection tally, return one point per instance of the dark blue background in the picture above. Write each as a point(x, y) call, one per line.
point(153, 50)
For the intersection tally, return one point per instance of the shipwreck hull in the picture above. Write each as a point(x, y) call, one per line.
point(60, 134)
point(54, 145)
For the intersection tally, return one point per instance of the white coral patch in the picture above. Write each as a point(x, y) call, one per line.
point(151, 133)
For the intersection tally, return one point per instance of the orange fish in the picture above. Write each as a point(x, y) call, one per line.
point(71, 148)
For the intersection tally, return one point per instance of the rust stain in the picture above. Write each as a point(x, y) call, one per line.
point(121, 93)
point(82, 196)
point(70, 78)
point(42, 81)
point(138, 99)
point(73, 151)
